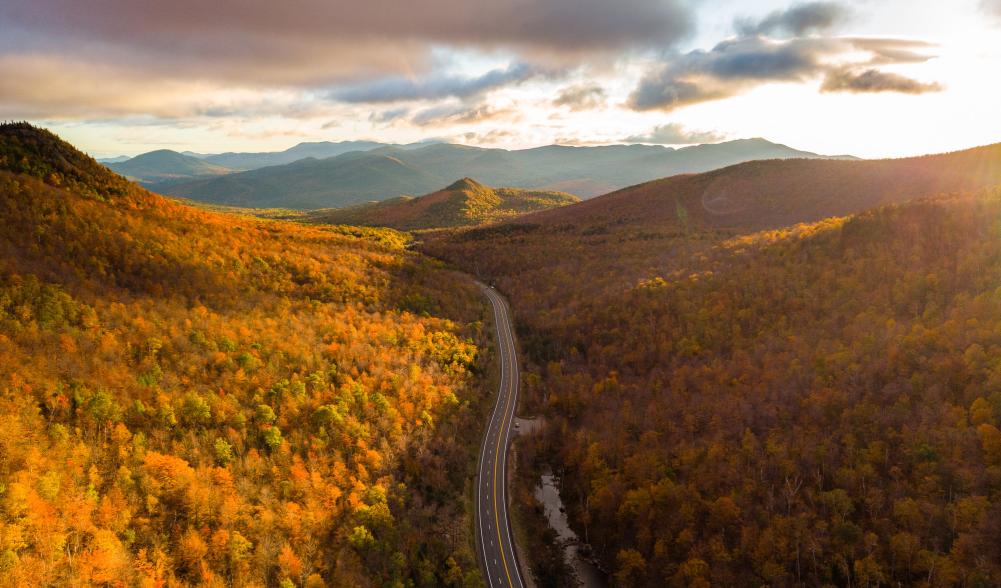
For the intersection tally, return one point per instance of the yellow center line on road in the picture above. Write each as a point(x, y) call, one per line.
point(497, 451)
point(497, 456)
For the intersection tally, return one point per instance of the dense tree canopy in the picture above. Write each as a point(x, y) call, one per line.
point(196, 398)
point(818, 405)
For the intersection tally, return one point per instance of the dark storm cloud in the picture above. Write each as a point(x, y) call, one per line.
point(309, 37)
point(53, 52)
point(798, 20)
point(725, 70)
point(873, 80)
point(754, 58)
point(675, 134)
point(398, 89)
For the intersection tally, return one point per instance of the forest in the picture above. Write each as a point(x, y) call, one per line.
point(731, 398)
point(193, 398)
point(464, 202)
point(802, 406)
point(500, 294)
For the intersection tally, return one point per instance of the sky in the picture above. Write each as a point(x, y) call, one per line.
point(871, 78)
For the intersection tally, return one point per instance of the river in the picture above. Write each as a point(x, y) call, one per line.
point(548, 493)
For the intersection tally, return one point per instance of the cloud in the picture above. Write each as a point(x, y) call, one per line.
point(581, 97)
point(737, 65)
point(557, 24)
point(459, 114)
point(873, 80)
point(389, 116)
point(39, 87)
point(324, 40)
point(492, 137)
point(754, 58)
point(675, 134)
point(893, 51)
point(398, 89)
point(313, 45)
point(785, 46)
point(726, 70)
point(798, 20)
point(992, 8)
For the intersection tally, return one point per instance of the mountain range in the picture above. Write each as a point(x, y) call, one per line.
point(165, 165)
point(317, 150)
point(389, 171)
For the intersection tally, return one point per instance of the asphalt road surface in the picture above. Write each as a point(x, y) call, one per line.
point(500, 566)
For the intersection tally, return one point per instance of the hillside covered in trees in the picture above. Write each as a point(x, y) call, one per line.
point(632, 234)
point(197, 398)
point(732, 401)
point(465, 202)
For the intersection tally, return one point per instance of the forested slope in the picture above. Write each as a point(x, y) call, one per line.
point(606, 243)
point(462, 203)
point(197, 398)
point(775, 193)
point(813, 405)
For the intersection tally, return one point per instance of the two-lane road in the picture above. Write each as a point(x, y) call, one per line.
point(500, 565)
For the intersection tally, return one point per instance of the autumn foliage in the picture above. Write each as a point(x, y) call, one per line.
point(192, 398)
point(812, 405)
point(465, 202)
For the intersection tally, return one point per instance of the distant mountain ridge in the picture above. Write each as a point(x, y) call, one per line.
point(317, 150)
point(390, 171)
point(115, 159)
point(465, 202)
point(166, 165)
point(769, 194)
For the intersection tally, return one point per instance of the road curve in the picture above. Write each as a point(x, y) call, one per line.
point(496, 543)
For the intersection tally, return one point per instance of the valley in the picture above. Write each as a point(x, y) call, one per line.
point(532, 294)
point(776, 372)
point(696, 434)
